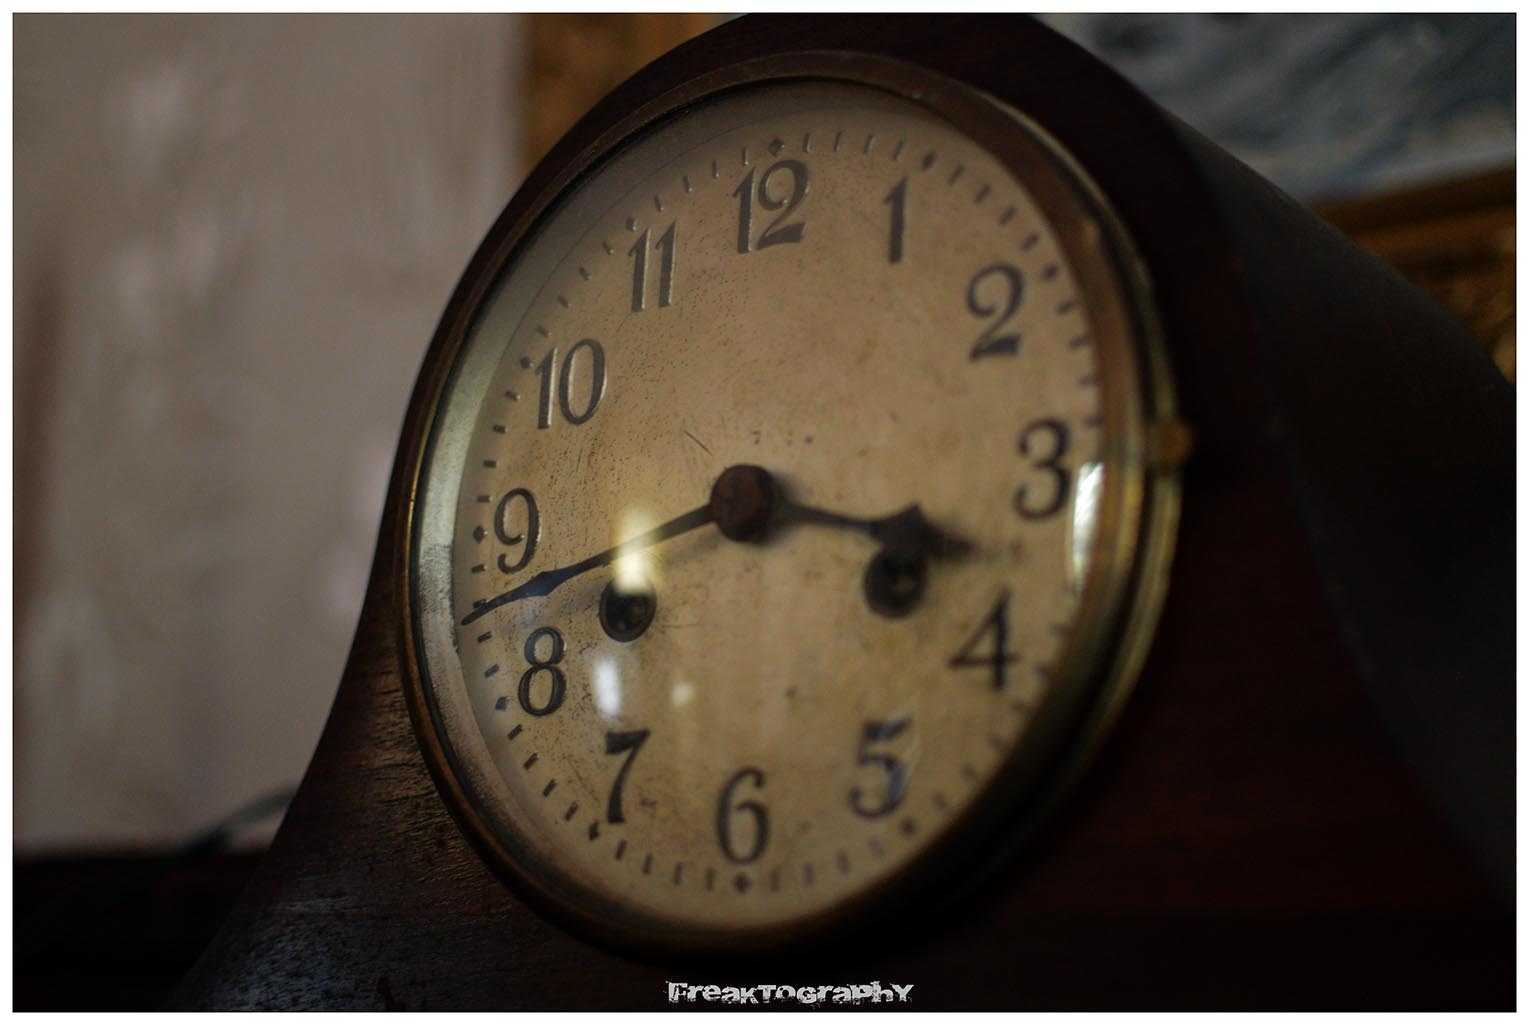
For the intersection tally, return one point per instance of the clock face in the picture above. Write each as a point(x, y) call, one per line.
point(781, 528)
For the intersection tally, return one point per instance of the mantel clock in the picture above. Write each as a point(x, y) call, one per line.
point(833, 433)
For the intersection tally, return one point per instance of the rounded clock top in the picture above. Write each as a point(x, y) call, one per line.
point(779, 536)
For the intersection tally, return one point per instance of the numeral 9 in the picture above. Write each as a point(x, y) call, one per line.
point(527, 537)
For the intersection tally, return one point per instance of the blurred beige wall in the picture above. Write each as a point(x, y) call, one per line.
point(233, 237)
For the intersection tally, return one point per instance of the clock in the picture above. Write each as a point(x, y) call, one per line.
point(785, 524)
point(885, 500)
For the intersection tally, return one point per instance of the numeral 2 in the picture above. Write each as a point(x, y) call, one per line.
point(1010, 286)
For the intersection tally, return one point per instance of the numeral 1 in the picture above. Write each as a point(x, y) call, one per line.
point(897, 199)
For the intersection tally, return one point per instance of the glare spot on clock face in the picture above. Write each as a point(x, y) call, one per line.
point(723, 699)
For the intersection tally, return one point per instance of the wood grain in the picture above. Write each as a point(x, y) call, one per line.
point(576, 59)
point(1251, 835)
point(1456, 240)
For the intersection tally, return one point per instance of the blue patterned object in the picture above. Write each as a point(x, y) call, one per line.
point(1327, 106)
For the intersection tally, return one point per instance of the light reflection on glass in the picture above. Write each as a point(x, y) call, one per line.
point(681, 694)
point(632, 572)
point(1085, 509)
point(607, 688)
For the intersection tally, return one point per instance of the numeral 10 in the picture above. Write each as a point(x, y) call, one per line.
point(547, 369)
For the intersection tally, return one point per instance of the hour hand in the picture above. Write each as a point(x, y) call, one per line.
point(894, 580)
point(748, 501)
point(907, 531)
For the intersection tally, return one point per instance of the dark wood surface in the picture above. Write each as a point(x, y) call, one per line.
point(118, 931)
point(1254, 834)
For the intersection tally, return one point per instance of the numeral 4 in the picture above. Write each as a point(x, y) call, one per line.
point(994, 630)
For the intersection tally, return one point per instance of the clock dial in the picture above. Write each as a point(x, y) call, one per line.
point(776, 525)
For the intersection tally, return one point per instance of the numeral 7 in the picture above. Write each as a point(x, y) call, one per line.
point(615, 743)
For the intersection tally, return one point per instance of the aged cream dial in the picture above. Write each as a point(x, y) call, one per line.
point(781, 529)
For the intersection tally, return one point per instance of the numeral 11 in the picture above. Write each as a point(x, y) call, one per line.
point(639, 254)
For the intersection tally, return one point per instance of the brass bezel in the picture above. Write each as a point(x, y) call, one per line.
point(1122, 596)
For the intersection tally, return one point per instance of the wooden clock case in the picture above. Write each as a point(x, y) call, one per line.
point(1308, 801)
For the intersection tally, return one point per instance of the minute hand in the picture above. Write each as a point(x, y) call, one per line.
point(549, 580)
